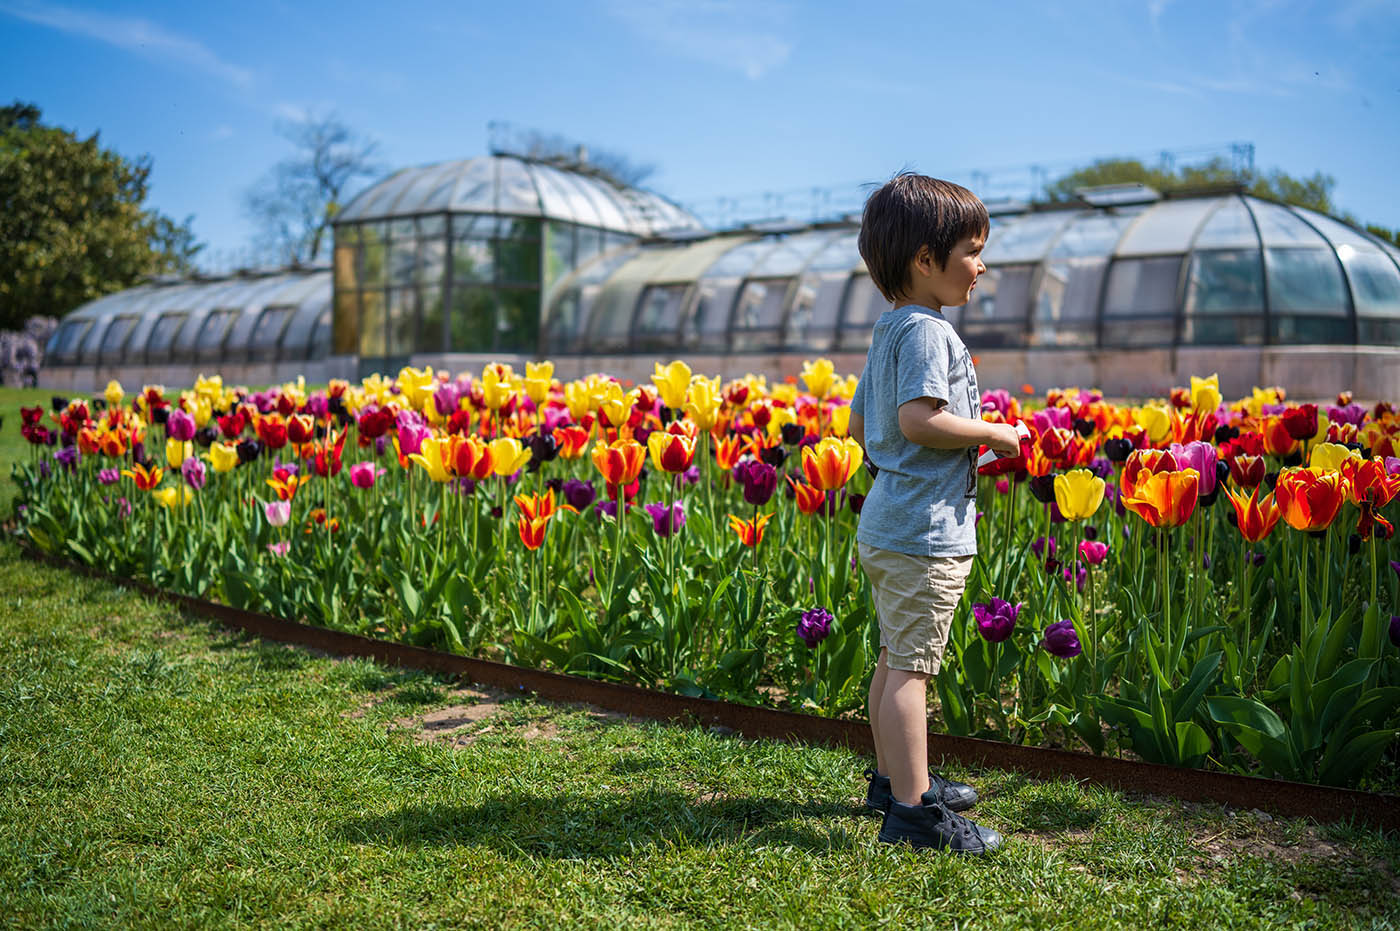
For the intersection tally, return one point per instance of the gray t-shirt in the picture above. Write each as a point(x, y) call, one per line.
point(923, 501)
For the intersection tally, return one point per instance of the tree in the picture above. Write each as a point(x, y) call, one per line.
point(295, 202)
point(607, 164)
point(73, 225)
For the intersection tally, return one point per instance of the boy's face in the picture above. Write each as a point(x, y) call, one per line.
point(952, 285)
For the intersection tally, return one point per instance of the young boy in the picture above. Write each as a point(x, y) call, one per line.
point(917, 413)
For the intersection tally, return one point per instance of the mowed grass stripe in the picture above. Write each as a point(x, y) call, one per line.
point(160, 771)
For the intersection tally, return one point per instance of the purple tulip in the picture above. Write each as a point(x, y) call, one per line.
point(690, 476)
point(1392, 465)
point(1101, 467)
point(123, 508)
point(814, 625)
point(68, 458)
point(179, 426)
point(1041, 545)
point(1351, 413)
point(1080, 572)
point(192, 469)
point(1061, 640)
point(1395, 629)
point(995, 619)
point(1052, 418)
point(317, 405)
point(1200, 456)
point(759, 479)
point(998, 399)
point(666, 520)
point(109, 476)
point(411, 436)
point(447, 398)
point(579, 494)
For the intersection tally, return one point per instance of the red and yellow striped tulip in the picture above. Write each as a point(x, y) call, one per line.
point(145, 479)
point(671, 452)
point(619, 462)
point(1255, 516)
point(832, 462)
point(1164, 499)
point(750, 531)
point(1310, 498)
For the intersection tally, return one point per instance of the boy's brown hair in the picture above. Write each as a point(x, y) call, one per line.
point(909, 212)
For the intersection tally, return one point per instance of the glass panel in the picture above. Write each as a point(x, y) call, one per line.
point(347, 323)
point(115, 338)
point(403, 257)
point(346, 234)
point(812, 323)
point(589, 244)
point(1305, 280)
point(1278, 226)
point(1375, 283)
point(163, 335)
point(476, 185)
point(68, 339)
point(839, 254)
point(1230, 227)
point(1025, 238)
point(791, 255)
point(472, 260)
point(399, 230)
point(209, 345)
point(430, 334)
point(572, 308)
point(372, 322)
point(1339, 234)
point(864, 305)
point(473, 319)
point(432, 227)
point(518, 324)
point(267, 333)
point(1094, 234)
point(659, 317)
point(343, 264)
point(1066, 309)
point(707, 329)
point(559, 252)
point(1310, 328)
point(1167, 227)
point(1224, 299)
point(739, 261)
point(374, 255)
point(403, 321)
point(519, 260)
point(432, 254)
point(1140, 302)
point(515, 192)
point(321, 337)
point(996, 315)
point(758, 318)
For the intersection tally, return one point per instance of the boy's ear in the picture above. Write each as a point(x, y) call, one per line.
point(923, 261)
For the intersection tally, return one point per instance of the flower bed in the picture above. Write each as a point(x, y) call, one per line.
point(1118, 602)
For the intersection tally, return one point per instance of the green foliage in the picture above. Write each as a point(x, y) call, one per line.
point(74, 227)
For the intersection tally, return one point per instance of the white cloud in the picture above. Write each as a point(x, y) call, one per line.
point(1155, 9)
point(133, 35)
point(751, 37)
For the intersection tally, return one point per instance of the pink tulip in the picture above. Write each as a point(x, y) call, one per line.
point(278, 512)
point(1093, 551)
point(364, 474)
point(280, 548)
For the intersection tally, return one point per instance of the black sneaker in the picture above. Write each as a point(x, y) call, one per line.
point(958, 796)
point(931, 826)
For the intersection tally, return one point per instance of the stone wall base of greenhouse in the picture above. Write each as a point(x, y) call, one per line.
point(1314, 373)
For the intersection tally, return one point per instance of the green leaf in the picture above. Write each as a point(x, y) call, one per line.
point(1202, 677)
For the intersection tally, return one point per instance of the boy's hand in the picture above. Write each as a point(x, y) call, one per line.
point(1003, 438)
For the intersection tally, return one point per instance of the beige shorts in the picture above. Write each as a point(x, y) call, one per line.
point(915, 597)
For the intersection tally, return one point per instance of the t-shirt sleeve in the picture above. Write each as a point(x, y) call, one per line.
point(922, 363)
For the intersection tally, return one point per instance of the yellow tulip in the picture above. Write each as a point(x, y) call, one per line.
point(841, 420)
point(173, 496)
point(508, 455)
point(818, 376)
point(430, 457)
point(1205, 394)
point(211, 387)
point(1078, 493)
point(615, 407)
point(845, 387)
point(1155, 419)
point(416, 385)
point(114, 393)
point(497, 386)
point(538, 377)
point(781, 415)
point(223, 457)
point(672, 383)
point(1330, 456)
point(703, 406)
point(177, 451)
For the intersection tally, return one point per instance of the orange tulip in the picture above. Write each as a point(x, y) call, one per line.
point(1277, 441)
point(113, 443)
point(1036, 463)
point(1144, 462)
point(472, 458)
point(1367, 481)
point(532, 531)
point(286, 484)
point(750, 531)
point(145, 479)
point(809, 499)
point(571, 441)
point(88, 440)
point(540, 507)
point(1165, 499)
point(1256, 518)
point(831, 463)
point(728, 449)
point(620, 462)
point(1310, 499)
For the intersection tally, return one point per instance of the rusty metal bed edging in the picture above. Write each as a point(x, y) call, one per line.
point(1322, 803)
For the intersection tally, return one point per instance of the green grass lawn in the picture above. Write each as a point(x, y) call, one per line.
point(158, 771)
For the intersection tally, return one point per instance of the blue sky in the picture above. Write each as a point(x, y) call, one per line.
point(725, 97)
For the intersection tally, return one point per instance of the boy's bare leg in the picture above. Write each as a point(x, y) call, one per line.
point(877, 691)
point(904, 733)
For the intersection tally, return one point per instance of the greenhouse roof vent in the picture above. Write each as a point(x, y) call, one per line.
point(1118, 195)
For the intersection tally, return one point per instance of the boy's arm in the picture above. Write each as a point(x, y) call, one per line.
point(928, 423)
point(856, 428)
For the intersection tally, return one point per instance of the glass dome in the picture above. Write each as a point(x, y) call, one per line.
point(1215, 270)
point(461, 256)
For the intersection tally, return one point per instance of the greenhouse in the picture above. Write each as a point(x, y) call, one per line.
point(459, 263)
